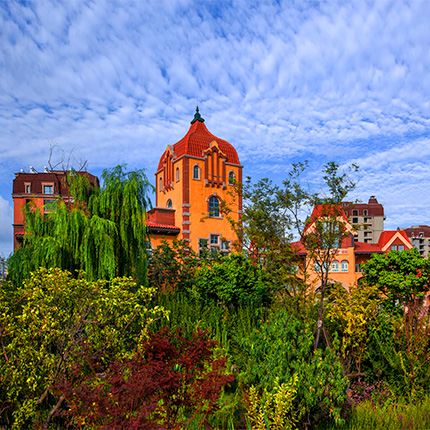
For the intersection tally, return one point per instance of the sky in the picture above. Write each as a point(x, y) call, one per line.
point(112, 82)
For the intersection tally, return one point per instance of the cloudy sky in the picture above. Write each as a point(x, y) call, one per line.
point(117, 81)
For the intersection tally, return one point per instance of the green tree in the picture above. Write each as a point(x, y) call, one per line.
point(47, 322)
point(234, 280)
point(401, 276)
point(98, 230)
point(354, 312)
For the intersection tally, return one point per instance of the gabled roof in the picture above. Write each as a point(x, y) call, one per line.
point(322, 211)
point(199, 139)
point(389, 236)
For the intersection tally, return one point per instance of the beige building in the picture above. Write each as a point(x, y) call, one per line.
point(367, 218)
point(419, 235)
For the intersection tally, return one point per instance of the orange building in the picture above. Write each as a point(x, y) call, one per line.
point(348, 258)
point(193, 177)
point(40, 188)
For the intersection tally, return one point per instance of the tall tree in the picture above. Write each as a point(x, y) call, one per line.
point(98, 230)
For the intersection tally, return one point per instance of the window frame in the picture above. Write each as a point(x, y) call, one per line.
point(211, 207)
point(344, 266)
point(196, 168)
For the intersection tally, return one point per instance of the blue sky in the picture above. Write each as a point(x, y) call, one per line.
point(117, 81)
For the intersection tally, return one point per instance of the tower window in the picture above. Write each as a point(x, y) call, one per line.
point(214, 239)
point(196, 172)
point(169, 203)
point(213, 207)
point(231, 178)
point(160, 183)
point(177, 174)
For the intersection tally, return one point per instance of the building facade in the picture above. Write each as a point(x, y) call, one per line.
point(366, 218)
point(42, 189)
point(347, 259)
point(195, 176)
point(419, 235)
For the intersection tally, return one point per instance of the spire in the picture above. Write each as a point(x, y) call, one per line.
point(197, 116)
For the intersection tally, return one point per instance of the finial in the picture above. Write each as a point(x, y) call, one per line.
point(197, 116)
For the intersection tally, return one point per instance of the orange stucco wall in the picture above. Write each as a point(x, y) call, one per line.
point(190, 200)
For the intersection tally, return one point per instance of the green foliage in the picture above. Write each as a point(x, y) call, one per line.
point(391, 416)
point(402, 350)
point(234, 280)
point(45, 323)
point(102, 232)
point(272, 409)
point(282, 347)
point(402, 277)
point(354, 313)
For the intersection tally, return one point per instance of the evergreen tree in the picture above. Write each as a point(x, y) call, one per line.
point(98, 230)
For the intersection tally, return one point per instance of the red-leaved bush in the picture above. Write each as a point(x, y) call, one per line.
point(169, 382)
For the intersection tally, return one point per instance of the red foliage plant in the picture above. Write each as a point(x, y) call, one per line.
point(170, 381)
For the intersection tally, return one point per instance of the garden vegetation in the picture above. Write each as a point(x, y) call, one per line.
point(98, 333)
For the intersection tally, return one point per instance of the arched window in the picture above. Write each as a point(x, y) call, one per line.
point(196, 172)
point(169, 203)
point(213, 207)
point(160, 183)
point(335, 266)
point(355, 212)
point(177, 174)
point(231, 178)
point(344, 266)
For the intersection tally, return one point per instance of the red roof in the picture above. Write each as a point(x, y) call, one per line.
point(387, 235)
point(157, 225)
point(322, 211)
point(197, 140)
point(366, 248)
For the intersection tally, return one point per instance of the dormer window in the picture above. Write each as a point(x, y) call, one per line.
point(48, 189)
point(27, 188)
point(365, 212)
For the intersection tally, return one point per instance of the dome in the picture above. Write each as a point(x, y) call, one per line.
point(197, 140)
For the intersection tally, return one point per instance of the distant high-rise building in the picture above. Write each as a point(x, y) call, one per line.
point(419, 235)
point(368, 218)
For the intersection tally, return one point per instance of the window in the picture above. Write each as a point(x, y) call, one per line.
point(354, 220)
point(412, 234)
point(421, 234)
point(225, 245)
point(27, 188)
point(213, 207)
point(169, 203)
point(344, 266)
point(160, 183)
point(355, 212)
point(231, 178)
point(317, 266)
point(365, 212)
point(177, 174)
point(214, 239)
point(196, 172)
point(401, 248)
point(48, 205)
point(48, 189)
point(393, 248)
point(335, 266)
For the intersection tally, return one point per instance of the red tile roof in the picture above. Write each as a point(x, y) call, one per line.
point(366, 248)
point(321, 211)
point(387, 235)
point(166, 226)
point(198, 139)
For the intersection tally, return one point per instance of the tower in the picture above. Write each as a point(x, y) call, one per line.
point(193, 177)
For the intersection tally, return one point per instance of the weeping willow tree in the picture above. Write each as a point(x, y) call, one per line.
point(98, 230)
